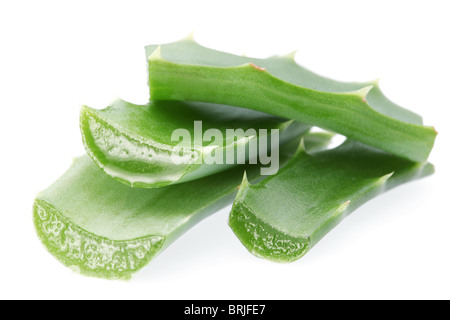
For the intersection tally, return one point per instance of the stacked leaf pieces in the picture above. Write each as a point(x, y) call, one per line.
point(132, 196)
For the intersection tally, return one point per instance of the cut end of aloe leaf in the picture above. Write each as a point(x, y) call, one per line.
point(102, 228)
point(87, 253)
point(282, 217)
point(139, 145)
point(130, 158)
point(262, 240)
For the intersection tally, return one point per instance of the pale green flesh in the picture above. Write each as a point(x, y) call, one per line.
point(187, 71)
point(103, 228)
point(87, 199)
point(133, 143)
point(284, 216)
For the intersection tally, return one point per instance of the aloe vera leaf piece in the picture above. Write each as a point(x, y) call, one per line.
point(133, 143)
point(284, 216)
point(185, 70)
point(102, 228)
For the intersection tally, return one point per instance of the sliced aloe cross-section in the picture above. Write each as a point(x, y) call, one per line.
point(284, 216)
point(100, 227)
point(134, 143)
point(185, 70)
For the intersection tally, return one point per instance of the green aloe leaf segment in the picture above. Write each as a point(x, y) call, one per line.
point(134, 144)
point(282, 217)
point(185, 70)
point(103, 228)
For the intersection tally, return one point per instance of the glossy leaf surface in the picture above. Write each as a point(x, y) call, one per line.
point(134, 144)
point(284, 216)
point(103, 228)
point(185, 70)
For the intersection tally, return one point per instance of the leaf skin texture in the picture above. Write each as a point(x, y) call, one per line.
point(100, 227)
point(184, 70)
point(132, 143)
point(285, 215)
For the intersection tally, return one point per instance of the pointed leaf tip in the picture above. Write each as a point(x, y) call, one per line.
point(301, 147)
point(381, 181)
point(190, 37)
point(376, 82)
point(245, 182)
point(242, 188)
point(286, 124)
point(156, 55)
point(290, 56)
point(342, 208)
point(363, 92)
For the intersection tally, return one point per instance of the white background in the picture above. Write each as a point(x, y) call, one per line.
point(57, 55)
